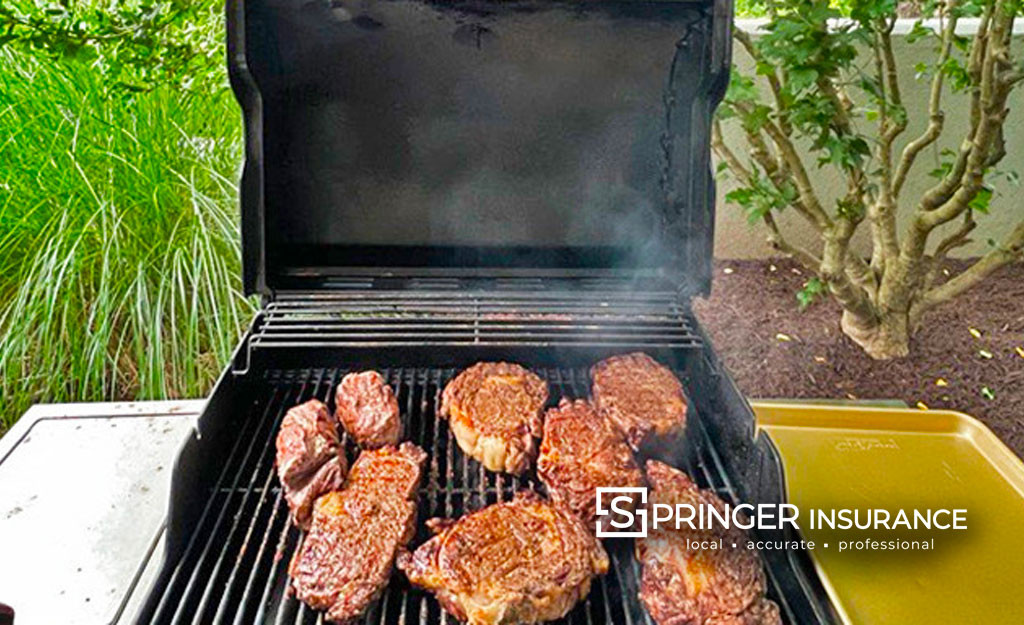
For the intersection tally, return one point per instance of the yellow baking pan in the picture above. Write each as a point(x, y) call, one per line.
point(855, 457)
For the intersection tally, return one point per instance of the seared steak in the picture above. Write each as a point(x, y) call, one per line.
point(761, 612)
point(347, 557)
point(683, 586)
point(310, 461)
point(643, 398)
point(368, 409)
point(581, 451)
point(523, 561)
point(494, 410)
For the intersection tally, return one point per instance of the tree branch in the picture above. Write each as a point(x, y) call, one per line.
point(771, 76)
point(801, 179)
point(976, 155)
point(936, 116)
point(775, 238)
point(957, 238)
point(885, 243)
point(834, 271)
point(892, 82)
point(723, 151)
point(1012, 249)
point(808, 260)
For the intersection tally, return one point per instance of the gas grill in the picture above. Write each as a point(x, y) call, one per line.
point(428, 185)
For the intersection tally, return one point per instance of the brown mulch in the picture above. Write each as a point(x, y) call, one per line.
point(775, 350)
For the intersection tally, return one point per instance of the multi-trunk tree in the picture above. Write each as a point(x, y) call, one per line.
point(832, 84)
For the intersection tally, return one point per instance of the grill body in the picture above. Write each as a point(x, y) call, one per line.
point(431, 184)
point(228, 536)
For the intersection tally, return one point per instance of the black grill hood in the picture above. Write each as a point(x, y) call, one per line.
point(396, 137)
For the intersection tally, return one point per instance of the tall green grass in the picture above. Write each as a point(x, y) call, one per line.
point(119, 250)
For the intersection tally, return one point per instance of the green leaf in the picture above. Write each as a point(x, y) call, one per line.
point(849, 209)
point(811, 291)
point(981, 200)
point(942, 170)
point(957, 74)
point(756, 119)
point(741, 196)
point(725, 111)
point(763, 68)
point(741, 88)
point(919, 31)
point(801, 78)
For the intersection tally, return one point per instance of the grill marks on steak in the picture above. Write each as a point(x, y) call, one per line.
point(581, 451)
point(494, 411)
point(310, 460)
point(368, 409)
point(347, 557)
point(643, 398)
point(681, 586)
point(522, 561)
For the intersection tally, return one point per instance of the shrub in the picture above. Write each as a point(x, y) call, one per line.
point(811, 68)
point(119, 250)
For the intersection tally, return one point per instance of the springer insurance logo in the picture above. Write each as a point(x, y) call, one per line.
point(620, 511)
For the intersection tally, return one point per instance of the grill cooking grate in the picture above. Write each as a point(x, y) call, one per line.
point(354, 318)
point(234, 568)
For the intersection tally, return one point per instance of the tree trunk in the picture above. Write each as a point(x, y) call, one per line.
point(882, 338)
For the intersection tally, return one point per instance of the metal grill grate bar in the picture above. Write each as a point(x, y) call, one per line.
point(234, 568)
point(344, 319)
point(252, 435)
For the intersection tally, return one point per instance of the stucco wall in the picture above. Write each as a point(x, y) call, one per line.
point(735, 238)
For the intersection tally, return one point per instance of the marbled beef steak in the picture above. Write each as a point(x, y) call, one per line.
point(494, 411)
point(582, 451)
point(368, 410)
point(347, 557)
point(642, 397)
point(685, 586)
point(522, 561)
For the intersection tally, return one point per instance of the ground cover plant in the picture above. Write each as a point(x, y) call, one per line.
point(119, 253)
point(834, 85)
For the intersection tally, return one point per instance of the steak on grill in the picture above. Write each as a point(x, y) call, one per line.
point(643, 398)
point(580, 452)
point(368, 409)
point(522, 561)
point(494, 410)
point(310, 460)
point(347, 557)
point(683, 586)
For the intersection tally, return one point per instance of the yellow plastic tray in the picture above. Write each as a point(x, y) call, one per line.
point(859, 457)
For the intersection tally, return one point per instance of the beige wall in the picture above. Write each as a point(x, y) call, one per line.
point(734, 238)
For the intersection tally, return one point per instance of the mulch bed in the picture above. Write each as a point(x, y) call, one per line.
point(775, 350)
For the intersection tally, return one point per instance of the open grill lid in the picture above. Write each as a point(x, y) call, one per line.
point(408, 137)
